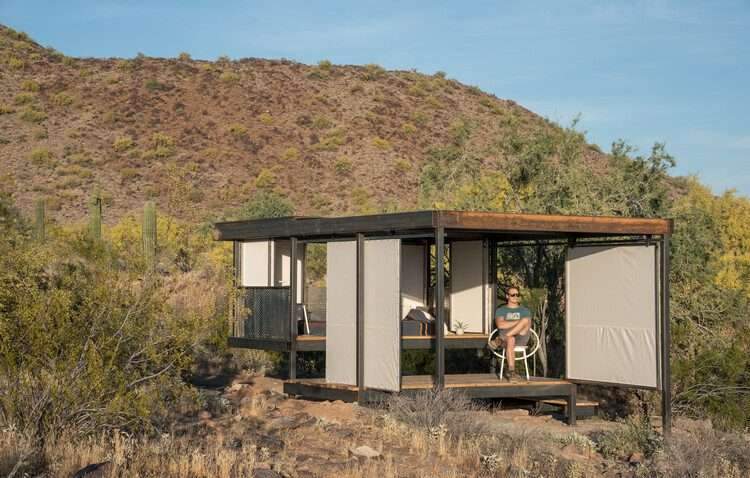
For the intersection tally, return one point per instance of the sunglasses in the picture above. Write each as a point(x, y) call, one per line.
point(514, 295)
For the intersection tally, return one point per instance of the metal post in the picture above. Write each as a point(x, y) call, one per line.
point(360, 318)
point(234, 316)
point(293, 308)
point(439, 307)
point(666, 374)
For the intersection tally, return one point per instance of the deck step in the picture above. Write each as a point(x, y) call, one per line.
point(584, 408)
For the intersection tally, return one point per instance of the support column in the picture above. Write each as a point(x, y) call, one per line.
point(666, 342)
point(572, 398)
point(360, 318)
point(293, 309)
point(439, 307)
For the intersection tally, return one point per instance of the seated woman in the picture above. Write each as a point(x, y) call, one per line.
point(513, 322)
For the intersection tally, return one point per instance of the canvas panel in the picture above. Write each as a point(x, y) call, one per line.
point(254, 264)
point(412, 277)
point(611, 315)
point(382, 297)
point(341, 305)
point(467, 284)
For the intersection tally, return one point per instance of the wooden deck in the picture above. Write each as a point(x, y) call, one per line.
point(482, 385)
point(452, 341)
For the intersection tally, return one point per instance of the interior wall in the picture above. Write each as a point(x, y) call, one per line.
point(341, 306)
point(468, 285)
point(281, 252)
point(254, 264)
point(382, 344)
point(412, 277)
point(611, 326)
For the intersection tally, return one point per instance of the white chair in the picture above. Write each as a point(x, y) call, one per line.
point(522, 349)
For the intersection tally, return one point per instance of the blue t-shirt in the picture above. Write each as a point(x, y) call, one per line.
point(512, 313)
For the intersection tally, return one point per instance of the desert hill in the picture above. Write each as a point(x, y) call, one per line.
point(201, 137)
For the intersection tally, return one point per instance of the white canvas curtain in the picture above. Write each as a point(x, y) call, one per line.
point(341, 313)
point(468, 285)
point(612, 315)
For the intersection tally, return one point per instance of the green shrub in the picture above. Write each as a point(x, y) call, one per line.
point(331, 141)
point(265, 204)
point(40, 156)
point(123, 143)
point(30, 85)
point(265, 179)
point(291, 154)
point(128, 173)
point(343, 166)
point(265, 118)
point(16, 63)
point(419, 118)
point(373, 72)
point(6, 110)
point(325, 65)
point(62, 99)
point(163, 146)
point(184, 56)
point(408, 129)
point(155, 85)
point(229, 77)
point(32, 115)
point(635, 435)
point(237, 130)
point(321, 122)
point(23, 98)
point(402, 166)
point(381, 143)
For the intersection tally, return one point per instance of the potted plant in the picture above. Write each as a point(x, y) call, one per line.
point(460, 327)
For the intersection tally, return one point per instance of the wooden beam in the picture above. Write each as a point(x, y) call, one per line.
point(439, 307)
point(492, 221)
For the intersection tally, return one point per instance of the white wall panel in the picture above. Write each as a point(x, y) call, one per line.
point(341, 320)
point(611, 315)
point(382, 320)
point(281, 252)
point(254, 264)
point(467, 284)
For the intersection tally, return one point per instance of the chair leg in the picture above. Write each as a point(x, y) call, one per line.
point(526, 365)
point(502, 365)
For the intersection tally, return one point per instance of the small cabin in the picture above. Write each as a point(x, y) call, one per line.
point(394, 282)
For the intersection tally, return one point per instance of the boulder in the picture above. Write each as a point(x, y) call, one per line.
point(364, 451)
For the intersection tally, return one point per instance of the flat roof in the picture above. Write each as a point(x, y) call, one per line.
point(514, 226)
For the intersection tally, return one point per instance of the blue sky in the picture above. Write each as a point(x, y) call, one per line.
point(675, 72)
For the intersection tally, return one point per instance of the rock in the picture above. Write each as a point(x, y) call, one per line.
point(265, 473)
point(93, 470)
point(236, 387)
point(635, 458)
point(204, 415)
point(364, 451)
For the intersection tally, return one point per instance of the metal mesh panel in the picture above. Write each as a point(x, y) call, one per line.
point(266, 314)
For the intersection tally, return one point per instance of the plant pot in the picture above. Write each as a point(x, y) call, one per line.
point(459, 331)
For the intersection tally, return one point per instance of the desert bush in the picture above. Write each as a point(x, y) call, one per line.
point(381, 143)
point(373, 72)
point(155, 85)
point(636, 435)
point(237, 130)
point(265, 204)
point(123, 143)
point(265, 179)
point(343, 166)
point(6, 110)
point(16, 63)
point(163, 146)
point(265, 118)
point(431, 410)
point(184, 56)
point(62, 99)
point(32, 115)
point(229, 77)
point(325, 65)
point(408, 129)
point(23, 98)
point(402, 166)
point(290, 154)
point(331, 140)
point(40, 156)
point(30, 85)
point(321, 122)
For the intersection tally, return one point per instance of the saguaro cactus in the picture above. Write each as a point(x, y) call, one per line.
point(149, 234)
point(39, 222)
point(95, 217)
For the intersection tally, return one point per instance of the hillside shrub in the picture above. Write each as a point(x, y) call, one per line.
point(163, 146)
point(343, 166)
point(23, 98)
point(32, 115)
point(381, 143)
point(6, 110)
point(16, 63)
point(30, 85)
point(265, 204)
point(123, 143)
point(331, 140)
point(291, 154)
point(265, 179)
point(229, 77)
point(637, 435)
point(156, 85)
point(408, 129)
point(265, 118)
point(373, 72)
point(40, 156)
point(402, 166)
point(325, 65)
point(321, 122)
point(62, 99)
point(237, 130)
point(184, 56)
